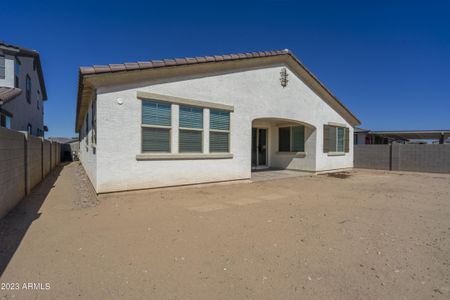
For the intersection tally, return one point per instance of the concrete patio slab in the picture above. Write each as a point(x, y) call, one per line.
point(267, 175)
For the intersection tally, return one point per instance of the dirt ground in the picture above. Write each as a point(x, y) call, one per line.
point(370, 235)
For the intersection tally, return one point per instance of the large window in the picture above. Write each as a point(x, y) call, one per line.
point(291, 139)
point(2, 67)
point(191, 129)
point(336, 139)
point(195, 125)
point(336, 135)
point(28, 88)
point(219, 131)
point(340, 139)
point(156, 126)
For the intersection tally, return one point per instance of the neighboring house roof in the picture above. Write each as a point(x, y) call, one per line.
point(8, 93)
point(20, 51)
point(361, 130)
point(85, 89)
point(63, 140)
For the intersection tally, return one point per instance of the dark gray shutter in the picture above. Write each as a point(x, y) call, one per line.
point(219, 142)
point(190, 141)
point(347, 140)
point(333, 139)
point(326, 138)
point(155, 139)
point(298, 139)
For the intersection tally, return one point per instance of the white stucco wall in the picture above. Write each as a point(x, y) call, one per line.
point(88, 150)
point(255, 94)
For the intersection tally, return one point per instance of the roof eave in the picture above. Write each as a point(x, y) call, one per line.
point(41, 76)
point(357, 121)
point(95, 71)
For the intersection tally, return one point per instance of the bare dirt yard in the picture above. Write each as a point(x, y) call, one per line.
point(361, 235)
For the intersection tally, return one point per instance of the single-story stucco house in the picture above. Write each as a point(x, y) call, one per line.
point(207, 119)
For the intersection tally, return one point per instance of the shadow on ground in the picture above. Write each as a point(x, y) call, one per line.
point(15, 224)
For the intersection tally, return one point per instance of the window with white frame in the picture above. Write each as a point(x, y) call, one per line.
point(219, 131)
point(156, 126)
point(190, 138)
point(291, 139)
point(336, 139)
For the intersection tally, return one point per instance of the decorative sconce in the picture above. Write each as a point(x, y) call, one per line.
point(283, 77)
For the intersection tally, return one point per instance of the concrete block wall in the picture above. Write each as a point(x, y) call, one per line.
point(12, 169)
point(55, 154)
point(34, 161)
point(46, 157)
point(24, 161)
point(58, 153)
point(52, 155)
point(434, 158)
point(372, 157)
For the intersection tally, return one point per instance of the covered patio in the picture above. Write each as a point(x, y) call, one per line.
point(280, 144)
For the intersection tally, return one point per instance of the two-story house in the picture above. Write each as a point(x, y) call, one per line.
point(22, 90)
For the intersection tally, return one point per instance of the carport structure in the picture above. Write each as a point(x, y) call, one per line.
point(402, 135)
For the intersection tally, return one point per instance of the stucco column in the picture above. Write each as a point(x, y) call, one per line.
point(206, 130)
point(175, 128)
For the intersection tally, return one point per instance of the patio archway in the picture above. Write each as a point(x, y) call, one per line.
point(280, 143)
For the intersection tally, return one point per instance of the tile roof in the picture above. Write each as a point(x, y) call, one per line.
point(155, 64)
point(8, 93)
point(359, 129)
point(151, 64)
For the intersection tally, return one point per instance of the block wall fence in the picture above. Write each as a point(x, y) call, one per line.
point(25, 161)
point(433, 158)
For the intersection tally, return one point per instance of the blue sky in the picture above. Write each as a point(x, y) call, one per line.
point(388, 61)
